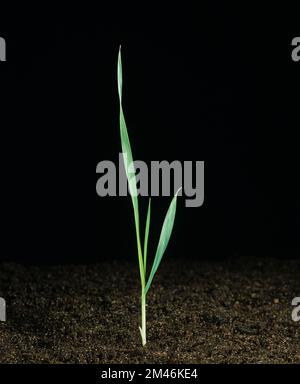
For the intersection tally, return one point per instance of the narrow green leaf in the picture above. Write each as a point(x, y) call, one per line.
point(128, 162)
point(126, 147)
point(120, 75)
point(164, 239)
point(129, 167)
point(147, 235)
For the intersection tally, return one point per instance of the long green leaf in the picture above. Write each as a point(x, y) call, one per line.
point(164, 239)
point(129, 167)
point(126, 147)
point(147, 235)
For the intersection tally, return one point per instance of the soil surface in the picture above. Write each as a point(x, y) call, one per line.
point(198, 312)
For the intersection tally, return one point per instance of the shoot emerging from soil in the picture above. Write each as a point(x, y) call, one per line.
point(146, 279)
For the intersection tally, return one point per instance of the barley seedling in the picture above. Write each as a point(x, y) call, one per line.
point(168, 224)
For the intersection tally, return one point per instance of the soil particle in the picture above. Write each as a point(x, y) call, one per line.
point(221, 312)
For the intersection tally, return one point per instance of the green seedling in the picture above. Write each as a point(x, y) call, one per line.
point(168, 224)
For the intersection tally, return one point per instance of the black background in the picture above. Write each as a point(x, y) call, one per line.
point(213, 82)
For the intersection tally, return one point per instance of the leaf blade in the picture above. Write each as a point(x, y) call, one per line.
point(165, 236)
point(125, 142)
point(129, 167)
point(147, 229)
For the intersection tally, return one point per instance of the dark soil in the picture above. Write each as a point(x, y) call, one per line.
point(229, 312)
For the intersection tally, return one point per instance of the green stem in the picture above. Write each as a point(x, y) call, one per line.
point(143, 328)
point(143, 282)
point(140, 256)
